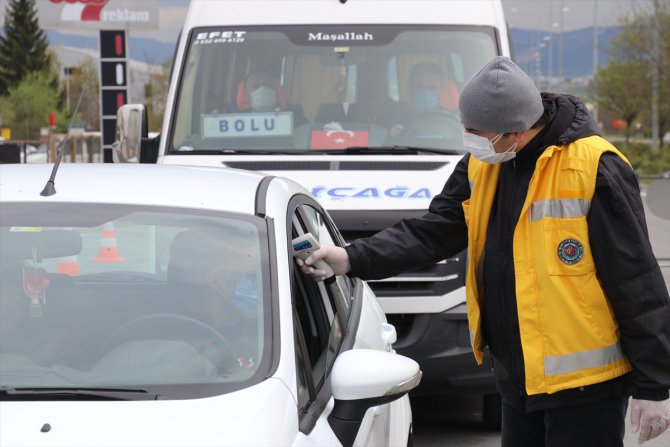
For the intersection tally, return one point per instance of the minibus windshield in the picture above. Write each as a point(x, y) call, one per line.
point(325, 88)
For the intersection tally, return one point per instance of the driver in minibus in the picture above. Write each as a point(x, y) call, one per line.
point(429, 90)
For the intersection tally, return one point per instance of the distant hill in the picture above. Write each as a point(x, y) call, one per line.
point(577, 59)
point(577, 47)
point(141, 49)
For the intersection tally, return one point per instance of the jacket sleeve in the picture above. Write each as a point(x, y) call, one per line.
point(413, 243)
point(631, 277)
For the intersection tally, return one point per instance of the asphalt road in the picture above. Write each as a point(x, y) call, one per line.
point(447, 421)
point(456, 420)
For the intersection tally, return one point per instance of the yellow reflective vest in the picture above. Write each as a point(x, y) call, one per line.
point(569, 335)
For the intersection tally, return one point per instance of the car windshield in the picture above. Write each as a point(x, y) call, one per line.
point(312, 88)
point(111, 296)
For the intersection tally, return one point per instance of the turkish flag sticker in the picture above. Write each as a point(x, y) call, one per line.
point(338, 139)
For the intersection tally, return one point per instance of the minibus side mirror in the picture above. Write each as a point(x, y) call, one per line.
point(132, 144)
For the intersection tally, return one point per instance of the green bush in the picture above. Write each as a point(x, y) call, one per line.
point(644, 161)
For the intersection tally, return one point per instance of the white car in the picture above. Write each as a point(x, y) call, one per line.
point(160, 305)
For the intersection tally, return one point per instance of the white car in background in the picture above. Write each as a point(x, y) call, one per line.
point(35, 154)
point(160, 305)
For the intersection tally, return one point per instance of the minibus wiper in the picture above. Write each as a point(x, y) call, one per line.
point(394, 150)
point(264, 151)
point(9, 393)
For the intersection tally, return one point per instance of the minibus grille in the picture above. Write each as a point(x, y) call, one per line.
point(435, 280)
point(335, 165)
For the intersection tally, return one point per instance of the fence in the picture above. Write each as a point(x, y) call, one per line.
point(80, 148)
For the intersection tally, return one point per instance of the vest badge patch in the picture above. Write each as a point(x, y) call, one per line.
point(570, 251)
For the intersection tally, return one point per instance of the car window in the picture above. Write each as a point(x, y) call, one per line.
point(316, 223)
point(321, 309)
point(315, 325)
point(106, 296)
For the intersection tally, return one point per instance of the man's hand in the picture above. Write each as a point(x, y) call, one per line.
point(336, 257)
point(650, 417)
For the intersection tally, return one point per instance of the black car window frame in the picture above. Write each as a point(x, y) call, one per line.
point(317, 376)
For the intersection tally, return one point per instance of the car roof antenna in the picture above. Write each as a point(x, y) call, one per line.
point(49, 188)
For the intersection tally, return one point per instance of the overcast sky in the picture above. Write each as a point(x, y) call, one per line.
point(526, 14)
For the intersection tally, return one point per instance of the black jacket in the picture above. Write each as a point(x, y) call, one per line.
point(625, 263)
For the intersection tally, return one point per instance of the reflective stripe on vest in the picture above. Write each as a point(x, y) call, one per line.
point(559, 208)
point(562, 364)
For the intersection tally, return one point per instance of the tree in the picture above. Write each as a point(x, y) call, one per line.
point(623, 87)
point(155, 92)
point(24, 47)
point(634, 46)
point(26, 107)
point(84, 77)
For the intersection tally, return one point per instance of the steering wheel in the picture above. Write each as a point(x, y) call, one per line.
point(168, 326)
point(433, 126)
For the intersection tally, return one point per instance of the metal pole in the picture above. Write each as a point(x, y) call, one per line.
point(550, 68)
point(595, 57)
point(560, 46)
point(655, 68)
point(67, 90)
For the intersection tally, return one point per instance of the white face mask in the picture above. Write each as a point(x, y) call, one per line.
point(263, 99)
point(482, 148)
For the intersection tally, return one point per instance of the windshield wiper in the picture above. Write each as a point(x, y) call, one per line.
point(265, 151)
point(393, 150)
point(9, 393)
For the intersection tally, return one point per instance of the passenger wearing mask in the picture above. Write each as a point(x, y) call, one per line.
point(426, 87)
point(256, 93)
point(260, 93)
point(215, 284)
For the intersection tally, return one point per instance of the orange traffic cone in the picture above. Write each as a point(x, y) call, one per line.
point(68, 266)
point(108, 251)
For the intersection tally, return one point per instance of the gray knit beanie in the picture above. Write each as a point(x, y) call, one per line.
point(500, 98)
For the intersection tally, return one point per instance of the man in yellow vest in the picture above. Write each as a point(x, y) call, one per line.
point(562, 283)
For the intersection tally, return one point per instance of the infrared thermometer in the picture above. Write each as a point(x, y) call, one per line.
point(305, 245)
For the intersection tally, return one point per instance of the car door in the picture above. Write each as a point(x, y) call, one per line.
point(328, 318)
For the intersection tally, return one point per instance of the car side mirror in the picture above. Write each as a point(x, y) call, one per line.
point(364, 378)
point(132, 144)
